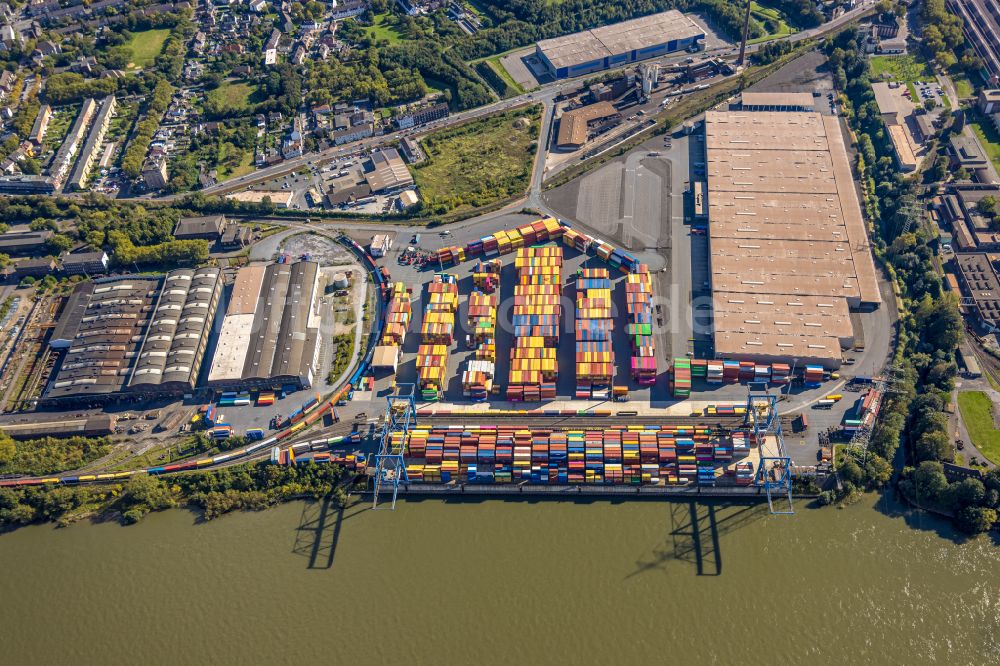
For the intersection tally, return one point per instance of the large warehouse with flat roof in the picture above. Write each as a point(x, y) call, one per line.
point(618, 44)
point(789, 251)
point(269, 333)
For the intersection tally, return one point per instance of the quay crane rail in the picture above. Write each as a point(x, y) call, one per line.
point(400, 417)
point(774, 472)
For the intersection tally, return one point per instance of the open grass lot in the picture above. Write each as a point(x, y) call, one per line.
point(146, 45)
point(232, 96)
point(480, 163)
point(986, 133)
point(977, 412)
point(234, 161)
point(963, 85)
point(902, 68)
point(767, 15)
point(382, 30)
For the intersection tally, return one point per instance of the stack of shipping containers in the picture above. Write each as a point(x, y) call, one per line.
point(594, 356)
point(437, 334)
point(486, 275)
point(536, 316)
point(639, 302)
point(681, 378)
point(504, 242)
point(477, 380)
point(397, 320)
point(616, 455)
point(398, 314)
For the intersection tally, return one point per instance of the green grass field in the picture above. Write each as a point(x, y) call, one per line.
point(146, 45)
point(234, 96)
point(903, 68)
point(502, 72)
point(229, 167)
point(478, 164)
point(761, 14)
point(977, 412)
point(963, 85)
point(987, 134)
point(381, 30)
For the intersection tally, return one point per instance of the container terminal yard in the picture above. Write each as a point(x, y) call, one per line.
point(521, 351)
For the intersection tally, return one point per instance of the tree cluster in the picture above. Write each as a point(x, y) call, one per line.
point(135, 154)
point(931, 330)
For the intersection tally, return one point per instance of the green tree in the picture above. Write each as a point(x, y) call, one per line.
point(144, 493)
point(967, 492)
point(929, 481)
point(59, 243)
point(976, 519)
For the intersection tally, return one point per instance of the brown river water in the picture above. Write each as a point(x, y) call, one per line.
point(499, 582)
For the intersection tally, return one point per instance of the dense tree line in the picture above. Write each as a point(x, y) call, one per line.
point(931, 328)
point(243, 487)
point(125, 253)
point(135, 154)
point(942, 37)
point(48, 455)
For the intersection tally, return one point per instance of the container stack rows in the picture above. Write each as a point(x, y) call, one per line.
point(622, 455)
point(535, 320)
point(540, 231)
point(594, 356)
point(398, 315)
point(812, 376)
point(397, 321)
point(437, 334)
point(479, 375)
point(504, 242)
point(486, 275)
point(681, 378)
point(639, 303)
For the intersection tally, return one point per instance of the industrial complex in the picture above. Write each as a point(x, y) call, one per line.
point(789, 251)
point(134, 334)
point(618, 44)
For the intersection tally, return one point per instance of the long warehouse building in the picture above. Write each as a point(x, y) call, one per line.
point(133, 336)
point(269, 333)
point(618, 44)
point(790, 253)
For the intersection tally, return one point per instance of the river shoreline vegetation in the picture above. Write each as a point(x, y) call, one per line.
point(930, 326)
point(246, 487)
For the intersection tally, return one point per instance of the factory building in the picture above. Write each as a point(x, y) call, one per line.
point(170, 357)
point(618, 44)
point(206, 227)
point(270, 329)
point(34, 425)
point(575, 125)
point(138, 336)
point(792, 101)
point(790, 256)
point(24, 242)
point(92, 147)
point(980, 284)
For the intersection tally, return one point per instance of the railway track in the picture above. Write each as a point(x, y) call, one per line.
point(578, 422)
